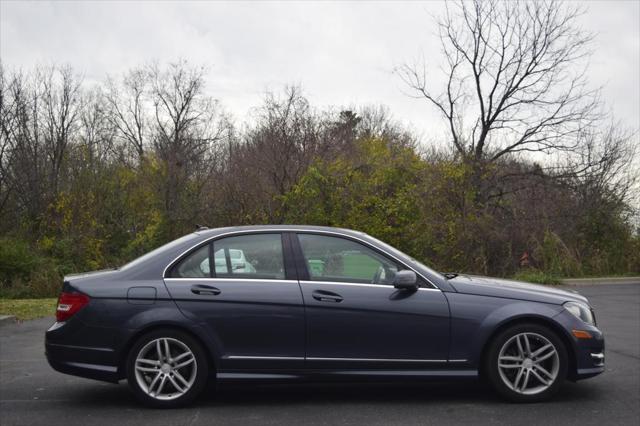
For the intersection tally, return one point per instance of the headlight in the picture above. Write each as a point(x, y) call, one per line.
point(581, 311)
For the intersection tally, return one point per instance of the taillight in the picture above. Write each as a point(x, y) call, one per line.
point(69, 304)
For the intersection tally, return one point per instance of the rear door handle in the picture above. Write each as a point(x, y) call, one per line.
point(326, 296)
point(205, 290)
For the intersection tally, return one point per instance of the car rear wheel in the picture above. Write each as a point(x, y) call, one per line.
point(167, 368)
point(527, 363)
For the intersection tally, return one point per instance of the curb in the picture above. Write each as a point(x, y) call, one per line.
point(601, 281)
point(7, 319)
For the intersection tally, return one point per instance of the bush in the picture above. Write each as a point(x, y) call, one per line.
point(16, 260)
point(557, 259)
point(25, 273)
point(537, 277)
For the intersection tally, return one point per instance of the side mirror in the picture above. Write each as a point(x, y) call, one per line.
point(405, 280)
point(239, 266)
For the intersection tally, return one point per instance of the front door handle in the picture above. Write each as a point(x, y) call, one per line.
point(205, 290)
point(326, 296)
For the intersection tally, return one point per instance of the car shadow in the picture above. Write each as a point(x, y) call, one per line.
point(346, 393)
point(329, 393)
point(323, 394)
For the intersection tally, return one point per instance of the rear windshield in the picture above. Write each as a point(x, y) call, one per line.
point(169, 246)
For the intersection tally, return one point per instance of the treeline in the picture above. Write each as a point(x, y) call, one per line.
point(94, 175)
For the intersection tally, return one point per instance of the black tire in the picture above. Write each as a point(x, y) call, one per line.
point(201, 366)
point(491, 369)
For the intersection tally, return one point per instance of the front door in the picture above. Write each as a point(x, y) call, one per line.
point(357, 319)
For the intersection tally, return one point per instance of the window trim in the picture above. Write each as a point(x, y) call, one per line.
point(249, 280)
point(212, 261)
point(282, 231)
point(344, 283)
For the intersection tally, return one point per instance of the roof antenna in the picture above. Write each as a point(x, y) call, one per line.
point(201, 227)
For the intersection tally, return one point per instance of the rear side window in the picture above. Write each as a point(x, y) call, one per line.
point(195, 265)
point(256, 256)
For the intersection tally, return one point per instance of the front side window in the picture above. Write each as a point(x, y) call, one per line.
point(250, 256)
point(342, 260)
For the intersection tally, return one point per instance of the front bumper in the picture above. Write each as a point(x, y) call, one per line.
point(589, 355)
point(597, 368)
point(589, 362)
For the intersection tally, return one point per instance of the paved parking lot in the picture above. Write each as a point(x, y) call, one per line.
point(31, 393)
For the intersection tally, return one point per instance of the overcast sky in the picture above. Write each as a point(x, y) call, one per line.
point(341, 53)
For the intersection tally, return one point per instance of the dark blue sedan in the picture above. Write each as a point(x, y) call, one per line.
point(265, 303)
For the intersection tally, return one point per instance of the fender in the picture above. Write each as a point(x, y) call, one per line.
point(474, 321)
point(509, 314)
point(148, 321)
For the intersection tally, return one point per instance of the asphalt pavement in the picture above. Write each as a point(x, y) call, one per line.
point(31, 393)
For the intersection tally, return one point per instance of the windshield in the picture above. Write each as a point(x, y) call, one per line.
point(398, 252)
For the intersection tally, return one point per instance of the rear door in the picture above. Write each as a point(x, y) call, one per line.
point(357, 319)
point(243, 289)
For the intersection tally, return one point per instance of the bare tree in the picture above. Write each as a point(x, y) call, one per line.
point(24, 162)
point(60, 94)
point(278, 149)
point(603, 168)
point(378, 122)
point(286, 137)
point(7, 123)
point(129, 110)
point(514, 75)
point(97, 131)
point(187, 133)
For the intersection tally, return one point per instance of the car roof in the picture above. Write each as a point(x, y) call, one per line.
point(248, 228)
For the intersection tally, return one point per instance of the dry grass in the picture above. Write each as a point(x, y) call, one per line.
point(27, 309)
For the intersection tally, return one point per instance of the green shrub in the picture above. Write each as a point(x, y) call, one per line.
point(557, 258)
point(17, 260)
point(25, 273)
point(537, 277)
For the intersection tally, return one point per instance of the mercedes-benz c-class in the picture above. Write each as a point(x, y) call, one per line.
point(286, 303)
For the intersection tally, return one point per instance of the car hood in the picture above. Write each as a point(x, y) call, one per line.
point(497, 287)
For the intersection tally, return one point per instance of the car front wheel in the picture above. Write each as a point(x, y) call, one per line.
point(167, 368)
point(527, 363)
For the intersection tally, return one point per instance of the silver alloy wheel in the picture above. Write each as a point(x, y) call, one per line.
point(528, 363)
point(165, 368)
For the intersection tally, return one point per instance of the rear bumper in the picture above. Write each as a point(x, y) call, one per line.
point(85, 361)
point(105, 373)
